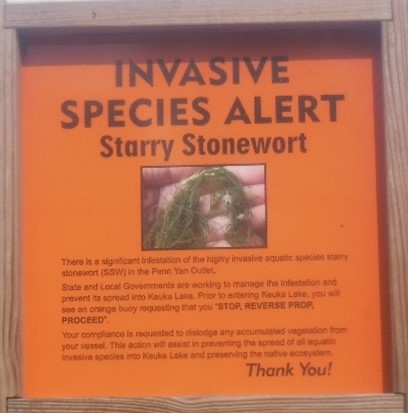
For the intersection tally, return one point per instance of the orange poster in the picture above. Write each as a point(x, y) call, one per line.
point(201, 215)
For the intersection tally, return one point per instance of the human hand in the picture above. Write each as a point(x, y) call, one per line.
point(217, 207)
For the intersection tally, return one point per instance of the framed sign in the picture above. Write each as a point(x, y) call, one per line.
point(210, 206)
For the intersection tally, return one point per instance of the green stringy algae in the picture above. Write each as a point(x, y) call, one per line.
point(182, 225)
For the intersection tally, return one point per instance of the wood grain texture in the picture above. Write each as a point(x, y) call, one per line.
point(147, 13)
point(9, 269)
point(339, 404)
point(156, 13)
point(395, 63)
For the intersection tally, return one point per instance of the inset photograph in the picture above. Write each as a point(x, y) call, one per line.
point(198, 207)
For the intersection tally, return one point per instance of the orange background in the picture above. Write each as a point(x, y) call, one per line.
point(77, 204)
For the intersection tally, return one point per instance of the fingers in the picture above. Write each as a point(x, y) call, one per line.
point(159, 177)
point(149, 202)
point(258, 220)
point(248, 174)
point(220, 225)
point(255, 241)
point(255, 194)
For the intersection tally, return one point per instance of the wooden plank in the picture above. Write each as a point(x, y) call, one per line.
point(396, 122)
point(395, 63)
point(9, 270)
point(333, 404)
point(150, 13)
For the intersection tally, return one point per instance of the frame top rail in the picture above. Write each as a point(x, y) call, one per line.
point(151, 13)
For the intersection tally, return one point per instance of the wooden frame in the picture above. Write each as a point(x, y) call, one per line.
point(100, 16)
